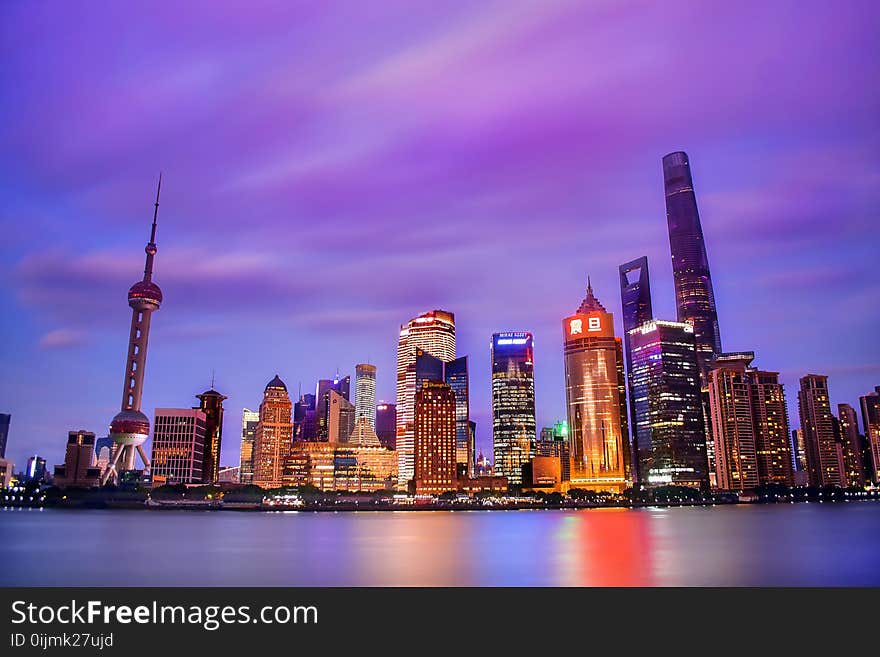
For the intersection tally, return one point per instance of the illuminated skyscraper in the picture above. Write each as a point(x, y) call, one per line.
point(211, 404)
point(750, 424)
point(36, 469)
point(274, 435)
point(596, 398)
point(513, 402)
point(131, 428)
point(79, 470)
point(635, 299)
point(824, 454)
point(870, 405)
point(249, 421)
point(434, 446)
point(851, 443)
point(434, 332)
point(694, 296)
point(322, 402)
point(340, 417)
point(304, 418)
point(180, 438)
point(386, 424)
point(664, 385)
point(365, 393)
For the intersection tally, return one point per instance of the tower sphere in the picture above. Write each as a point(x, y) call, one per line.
point(130, 427)
point(145, 294)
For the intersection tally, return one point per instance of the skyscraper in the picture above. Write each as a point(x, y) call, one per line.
point(322, 402)
point(340, 418)
point(824, 453)
point(434, 446)
point(386, 424)
point(5, 419)
point(750, 424)
point(304, 418)
point(870, 405)
point(211, 404)
point(249, 421)
point(180, 437)
point(669, 439)
point(79, 469)
point(434, 332)
point(36, 469)
point(694, 296)
point(513, 402)
point(131, 428)
point(456, 376)
point(274, 435)
point(852, 446)
point(596, 398)
point(365, 393)
point(635, 300)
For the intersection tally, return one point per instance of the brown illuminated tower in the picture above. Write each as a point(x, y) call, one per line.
point(434, 439)
point(274, 435)
point(211, 404)
point(131, 428)
point(824, 453)
point(596, 398)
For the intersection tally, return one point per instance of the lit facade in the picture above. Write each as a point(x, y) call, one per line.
point(341, 386)
point(694, 296)
point(274, 434)
point(179, 445)
point(596, 399)
point(340, 417)
point(249, 421)
point(434, 332)
point(667, 412)
point(365, 393)
point(79, 470)
point(851, 443)
point(513, 402)
point(870, 406)
point(824, 453)
point(211, 404)
point(348, 467)
point(434, 439)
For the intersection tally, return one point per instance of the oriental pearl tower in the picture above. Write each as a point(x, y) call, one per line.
point(130, 428)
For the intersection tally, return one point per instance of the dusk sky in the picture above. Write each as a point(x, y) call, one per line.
point(332, 170)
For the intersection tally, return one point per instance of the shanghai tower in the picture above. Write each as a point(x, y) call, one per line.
point(694, 297)
point(131, 428)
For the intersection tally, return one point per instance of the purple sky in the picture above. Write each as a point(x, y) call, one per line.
point(332, 172)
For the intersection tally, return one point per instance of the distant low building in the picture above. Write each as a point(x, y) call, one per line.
point(229, 474)
point(79, 469)
point(6, 467)
point(341, 466)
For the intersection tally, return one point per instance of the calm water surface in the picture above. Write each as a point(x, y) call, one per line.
point(799, 544)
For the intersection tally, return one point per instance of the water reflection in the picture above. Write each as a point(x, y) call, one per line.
point(832, 544)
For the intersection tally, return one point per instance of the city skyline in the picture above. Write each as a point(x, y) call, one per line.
point(766, 186)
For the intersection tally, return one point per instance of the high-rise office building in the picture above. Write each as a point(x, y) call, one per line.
point(596, 398)
point(340, 418)
point(180, 437)
point(211, 404)
point(455, 374)
point(694, 296)
point(249, 421)
point(79, 470)
point(513, 402)
point(851, 443)
point(340, 385)
point(104, 447)
point(5, 419)
point(750, 424)
point(664, 380)
point(274, 435)
point(870, 405)
point(434, 444)
point(36, 469)
point(433, 332)
point(824, 453)
point(635, 300)
point(130, 428)
point(365, 393)
point(386, 424)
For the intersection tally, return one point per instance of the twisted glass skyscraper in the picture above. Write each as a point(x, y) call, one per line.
point(694, 297)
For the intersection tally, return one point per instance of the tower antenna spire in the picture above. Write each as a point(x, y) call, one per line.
point(151, 245)
point(156, 211)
